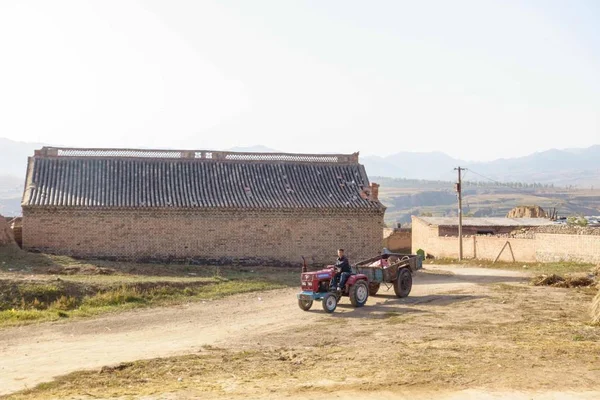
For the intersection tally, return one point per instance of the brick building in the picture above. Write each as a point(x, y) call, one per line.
point(483, 238)
point(211, 207)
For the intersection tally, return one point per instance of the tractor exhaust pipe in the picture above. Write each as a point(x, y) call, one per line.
point(304, 269)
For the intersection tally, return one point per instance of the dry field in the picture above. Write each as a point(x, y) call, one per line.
point(462, 333)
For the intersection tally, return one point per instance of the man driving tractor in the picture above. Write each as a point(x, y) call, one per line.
point(343, 271)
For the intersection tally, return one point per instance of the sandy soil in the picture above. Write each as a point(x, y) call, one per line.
point(452, 303)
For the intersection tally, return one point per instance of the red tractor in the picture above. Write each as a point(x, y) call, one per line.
point(316, 286)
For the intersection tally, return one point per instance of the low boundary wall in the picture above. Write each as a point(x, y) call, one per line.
point(544, 247)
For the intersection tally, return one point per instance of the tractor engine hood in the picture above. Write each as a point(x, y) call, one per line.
point(326, 273)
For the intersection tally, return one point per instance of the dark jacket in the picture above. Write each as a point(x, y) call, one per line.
point(343, 264)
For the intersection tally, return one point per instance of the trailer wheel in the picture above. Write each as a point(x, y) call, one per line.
point(359, 293)
point(374, 288)
point(329, 302)
point(403, 284)
point(305, 304)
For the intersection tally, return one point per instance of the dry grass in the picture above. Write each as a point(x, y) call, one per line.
point(563, 282)
point(51, 303)
point(38, 287)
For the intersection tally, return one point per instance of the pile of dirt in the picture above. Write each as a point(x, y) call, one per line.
point(6, 235)
point(527, 212)
point(563, 282)
point(596, 309)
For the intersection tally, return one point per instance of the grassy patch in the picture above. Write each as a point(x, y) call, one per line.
point(124, 297)
point(37, 287)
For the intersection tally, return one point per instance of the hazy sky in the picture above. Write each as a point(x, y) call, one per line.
point(476, 79)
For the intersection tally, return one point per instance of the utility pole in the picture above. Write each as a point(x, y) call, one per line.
point(458, 187)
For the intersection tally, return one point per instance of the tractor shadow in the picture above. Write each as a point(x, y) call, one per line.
point(387, 304)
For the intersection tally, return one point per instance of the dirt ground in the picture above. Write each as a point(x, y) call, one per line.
point(463, 333)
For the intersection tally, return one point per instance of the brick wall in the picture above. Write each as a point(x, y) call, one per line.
point(488, 248)
point(422, 235)
point(558, 247)
point(544, 247)
point(253, 237)
point(397, 240)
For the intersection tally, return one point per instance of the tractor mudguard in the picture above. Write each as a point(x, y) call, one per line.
point(355, 278)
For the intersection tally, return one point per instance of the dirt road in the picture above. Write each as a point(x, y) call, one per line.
point(33, 354)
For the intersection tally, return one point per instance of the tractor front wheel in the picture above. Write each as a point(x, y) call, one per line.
point(305, 304)
point(359, 293)
point(373, 288)
point(403, 285)
point(330, 302)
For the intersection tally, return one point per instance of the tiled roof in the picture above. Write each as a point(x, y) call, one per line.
point(169, 179)
point(492, 221)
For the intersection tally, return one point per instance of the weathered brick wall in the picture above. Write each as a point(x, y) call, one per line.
point(397, 239)
point(579, 248)
point(544, 247)
point(206, 236)
point(422, 235)
point(488, 248)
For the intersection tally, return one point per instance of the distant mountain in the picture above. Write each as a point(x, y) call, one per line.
point(13, 156)
point(13, 164)
point(577, 167)
point(412, 165)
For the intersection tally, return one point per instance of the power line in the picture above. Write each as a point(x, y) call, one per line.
point(485, 177)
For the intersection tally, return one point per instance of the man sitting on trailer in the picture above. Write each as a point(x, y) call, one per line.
point(343, 271)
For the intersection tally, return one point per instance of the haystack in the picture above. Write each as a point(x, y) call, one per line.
point(6, 235)
point(527, 212)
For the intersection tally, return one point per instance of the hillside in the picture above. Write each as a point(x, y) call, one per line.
point(569, 167)
point(406, 197)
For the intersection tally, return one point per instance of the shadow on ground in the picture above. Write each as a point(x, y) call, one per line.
point(391, 305)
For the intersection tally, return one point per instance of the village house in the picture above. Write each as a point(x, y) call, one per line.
point(505, 239)
point(202, 206)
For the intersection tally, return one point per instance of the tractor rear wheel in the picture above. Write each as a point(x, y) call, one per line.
point(305, 304)
point(359, 293)
point(329, 302)
point(373, 288)
point(403, 285)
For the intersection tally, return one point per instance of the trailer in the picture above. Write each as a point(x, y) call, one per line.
point(390, 269)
